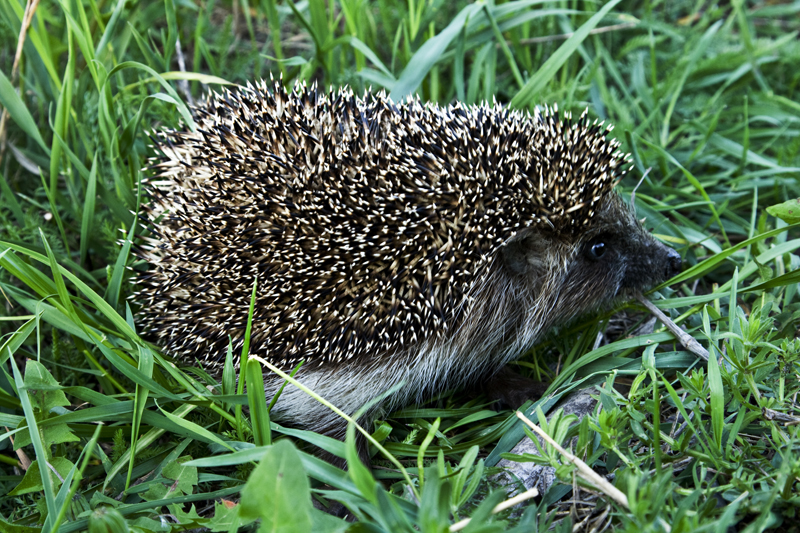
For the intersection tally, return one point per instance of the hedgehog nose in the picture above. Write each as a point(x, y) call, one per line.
point(673, 263)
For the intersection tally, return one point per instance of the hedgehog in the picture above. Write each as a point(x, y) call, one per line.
point(403, 247)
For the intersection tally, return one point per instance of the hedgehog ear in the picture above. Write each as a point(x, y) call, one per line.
point(525, 254)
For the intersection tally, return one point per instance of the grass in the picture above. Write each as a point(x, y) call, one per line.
point(705, 96)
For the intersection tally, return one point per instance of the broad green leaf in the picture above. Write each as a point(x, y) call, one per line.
point(278, 492)
point(788, 211)
point(51, 434)
point(185, 477)
point(32, 481)
point(107, 520)
point(48, 392)
point(177, 478)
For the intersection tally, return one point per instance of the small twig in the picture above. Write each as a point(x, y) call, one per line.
point(598, 340)
point(775, 416)
point(598, 521)
point(684, 338)
point(502, 506)
point(582, 524)
point(183, 84)
point(583, 470)
point(565, 36)
point(51, 467)
point(24, 461)
point(27, 17)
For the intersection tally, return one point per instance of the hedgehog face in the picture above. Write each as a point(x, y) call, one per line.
point(621, 254)
point(614, 257)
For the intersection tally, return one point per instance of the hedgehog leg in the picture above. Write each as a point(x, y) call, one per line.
point(513, 389)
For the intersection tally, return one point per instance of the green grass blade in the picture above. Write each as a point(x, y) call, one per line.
point(140, 400)
point(146, 440)
point(10, 201)
point(228, 374)
point(88, 211)
point(115, 284)
point(369, 54)
point(205, 79)
point(275, 30)
point(434, 428)
point(716, 390)
point(54, 210)
point(63, 108)
point(527, 95)
point(259, 415)
point(243, 358)
point(81, 524)
point(172, 31)
point(14, 12)
point(707, 264)
point(504, 46)
point(182, 109)
point(42, 453)
point(102, 306)
point(58, 279)
point(779, 281)
point(134, 374)
point(12, 343)
point(73, 481)
point(54, 315)
point(238, 457)
point(110, 27)
point(84, 40)
point(12, 103)
point(695, 55)
point(428, 55)
point(195, 430)
point(32, 277)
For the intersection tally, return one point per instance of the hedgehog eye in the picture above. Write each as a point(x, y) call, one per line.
point(597, 249)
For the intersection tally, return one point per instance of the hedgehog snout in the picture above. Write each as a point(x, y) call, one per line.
point(664, 261)
point(674, 263)
point(654, 263)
